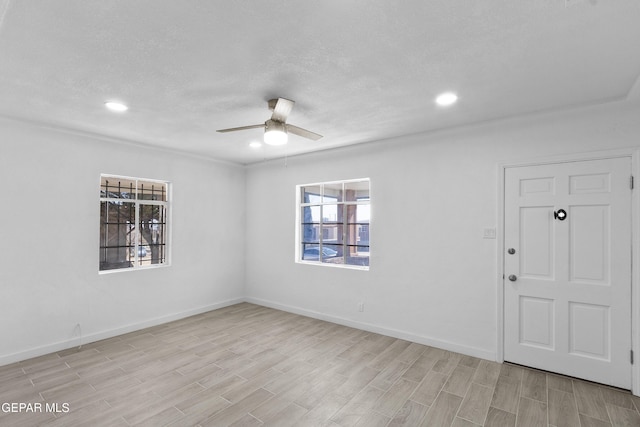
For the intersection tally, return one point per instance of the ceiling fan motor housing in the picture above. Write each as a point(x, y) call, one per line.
point(275, 126)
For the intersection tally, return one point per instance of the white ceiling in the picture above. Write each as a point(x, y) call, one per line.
point(358, 70)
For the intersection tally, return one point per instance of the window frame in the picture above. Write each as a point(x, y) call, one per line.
point(137, 202)
point(300, 204)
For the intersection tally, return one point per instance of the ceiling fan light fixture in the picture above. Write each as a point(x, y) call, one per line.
point(275, 133)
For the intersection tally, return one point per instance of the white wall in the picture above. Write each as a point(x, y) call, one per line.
point(49, 238)
point(433, 278)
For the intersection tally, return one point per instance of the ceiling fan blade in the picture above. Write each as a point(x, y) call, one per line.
point(282, 109)
point(241, 128)
point(303, 132)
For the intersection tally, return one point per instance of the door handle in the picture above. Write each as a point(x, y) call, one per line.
point(513, 277)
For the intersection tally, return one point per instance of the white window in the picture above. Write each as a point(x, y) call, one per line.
point(333, 223)
point(134, 216)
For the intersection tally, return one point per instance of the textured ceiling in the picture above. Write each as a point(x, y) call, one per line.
point(358, 70)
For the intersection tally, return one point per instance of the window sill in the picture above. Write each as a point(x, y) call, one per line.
point(122, 270)
point(328, 264)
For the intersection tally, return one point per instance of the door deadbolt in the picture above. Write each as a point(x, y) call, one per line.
point(513, 277)
point(560, 214)
point(511, 251)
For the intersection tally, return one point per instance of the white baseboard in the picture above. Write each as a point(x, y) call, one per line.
point(86, 339)
point(445, 345)
point(63, 345)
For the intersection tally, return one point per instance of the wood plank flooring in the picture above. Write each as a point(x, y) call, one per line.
point(248, 365)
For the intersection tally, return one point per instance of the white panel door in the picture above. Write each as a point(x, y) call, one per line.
point(567, 286)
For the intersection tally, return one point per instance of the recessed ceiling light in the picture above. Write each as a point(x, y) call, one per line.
point(116, 106)
point(446, 99)
point(255, 144)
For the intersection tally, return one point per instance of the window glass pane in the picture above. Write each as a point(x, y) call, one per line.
point(310, 224)
point(310, 194)
point(363, 213)
point(356, 191)
point(117, 221)
point(311, 252)
point(148, 190)
point(330, 213)
point(151, 249)
point(352, 234)
point(357, 255)
point(332, 254)
point(117, 187)
point(332, 233)
point(357, 232)
point(310, 214)
point(310, 233)
point(332, 193)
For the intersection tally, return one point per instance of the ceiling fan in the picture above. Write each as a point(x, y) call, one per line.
point(276, 128)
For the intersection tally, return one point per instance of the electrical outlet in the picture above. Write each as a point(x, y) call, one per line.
point(360, 306)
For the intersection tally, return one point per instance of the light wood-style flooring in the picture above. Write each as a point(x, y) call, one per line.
point(248, 365)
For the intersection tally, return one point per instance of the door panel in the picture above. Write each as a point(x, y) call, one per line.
point(569, 309)
point(588, 248)
point(536, 322)
point(589, 184)
point(537, 186)
point(590, 331)
point(536, 235)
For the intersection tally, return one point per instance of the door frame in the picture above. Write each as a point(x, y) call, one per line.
point(634, 155)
